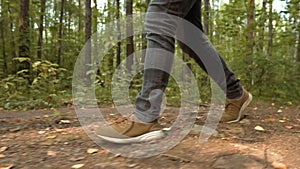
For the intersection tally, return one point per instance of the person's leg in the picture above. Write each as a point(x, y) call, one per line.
point(158, 63)
point(148, 102)
point(237, 97)
point(233, 86)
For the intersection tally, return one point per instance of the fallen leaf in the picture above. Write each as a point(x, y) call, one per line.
point(41, 132)
point(92, 150)
point(278, 165)
point(2, 149)
point(64, 122)
point(103, 152)
point(289, 127)
point(279, 111)
point(51, 153)
point(76, 166)
point(281, 121)
point(271, 119)
point(259, 128)
point(6, 166)
point(51, 137)
point(77, 158)
point(2, 156)
point(45, 116)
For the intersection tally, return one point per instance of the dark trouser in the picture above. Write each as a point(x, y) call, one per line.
point(147, 104)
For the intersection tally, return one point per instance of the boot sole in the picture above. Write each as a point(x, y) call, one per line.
point(247, 102)
point(154, 135)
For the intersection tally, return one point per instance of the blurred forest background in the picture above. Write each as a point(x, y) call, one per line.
point(41, 40)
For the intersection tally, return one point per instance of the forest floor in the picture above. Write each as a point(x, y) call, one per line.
point(268, 137)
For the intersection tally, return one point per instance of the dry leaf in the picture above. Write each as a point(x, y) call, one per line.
point(6, 166)
point(92, 150)
point(2, 149)
point(64, 122)
point(271, 119)
point(2, 156)
point(51, 137)
point(76, 166)
point(278, 165)
point(281, 121)
point(51, 153)
point(103, 152)
point(41, 132)
point(289, 127)
point(259, 128)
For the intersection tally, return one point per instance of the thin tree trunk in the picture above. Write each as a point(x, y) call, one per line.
point(41, 29)
point(24, 39)
point(80, 27)
point(144, 43)
point(206, 16)
point(270, 42)
point(95, 16)
point(111, 52)
point(129, 31)
point(3, 41)
point(298, 50)
point(14, 51)
point(262, 25)
point(250, 38)
point(60, 32)
point(250, 28)
point(88, 32)
point(119, 34)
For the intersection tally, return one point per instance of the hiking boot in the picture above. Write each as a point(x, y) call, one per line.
point(126, 128)
point(235, 108)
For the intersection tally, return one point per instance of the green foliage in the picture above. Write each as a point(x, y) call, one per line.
point(51, 85)
point(272, 78)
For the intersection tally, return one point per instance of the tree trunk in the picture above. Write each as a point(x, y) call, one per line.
point(14, 51)
point(298, 50)
point(3, 40)
point(119, 34)
point(88, 32)
point(80, 27)
point(206, 16)
point(60, 31)
point(262, 26)
point(144, 43)
point(129, 31)
point(250, 29)
point(270, 42)
point(24, 38)
point(41, 29)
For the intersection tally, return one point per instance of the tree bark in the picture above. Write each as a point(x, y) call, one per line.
point(119, 34)
point(206, 16)
point(144, 43)
point(250, 28)
point(41, 29)
point(129, 31)
point(24, 38)
point(14, 51)
point(60, 31)
point(3, 40)
point(88, 48)
point(270, 42)
point(262, 26)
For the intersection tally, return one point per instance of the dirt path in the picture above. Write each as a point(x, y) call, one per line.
point(268, 137)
